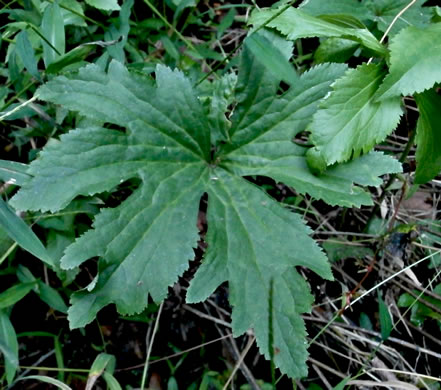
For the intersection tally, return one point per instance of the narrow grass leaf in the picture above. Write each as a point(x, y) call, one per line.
point(385, 318)
point(52, 297)
point(46, 379)
point(105, 5)
point(26, 52)
point(101, 363)
point(71, 57)
point(52, 27)
point(272, 58)
point(111, 381)
point(8, 346)
point(12, 172)
point(17, 229)
point(14, 294)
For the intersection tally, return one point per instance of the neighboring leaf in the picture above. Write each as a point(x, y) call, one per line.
point(25, 51)
point(106, 5)
point(347, 7)
point(52, 27)
point(8, 346)
point(120, 34)
point(216, 96)
point(271, 57)
point(428, 153)
point(111, 382)
point(385, 11)
point(419, 69)
point(420, 312)
point(46, 293)
point(71, 18)
point(350, 122)
point(335, 50)
point(295, 23)
point(15, 293)
point(13, 172)
point(75, 55)
point(17, 229)
point(103, 362)
point(385, 318)
point(237, 253)
point(52, 297)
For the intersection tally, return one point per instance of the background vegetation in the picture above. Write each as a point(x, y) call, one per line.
point(387, 253)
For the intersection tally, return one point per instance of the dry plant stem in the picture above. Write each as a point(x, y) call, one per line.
point(175, 354)
point(322, 377)
point(240, 360)
point(234, 350)
point(206, 316)
point(327, 368)
point(397, 16)
point(19, 107)
point(150, 346)
point(330, 322)
point(433, 378)
point(393, 176)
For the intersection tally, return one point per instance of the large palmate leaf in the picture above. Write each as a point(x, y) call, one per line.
point(295, 23)
point(239, 215)
point(428, 154)
point(350, 121)
point(419, 69)
point(146, 242)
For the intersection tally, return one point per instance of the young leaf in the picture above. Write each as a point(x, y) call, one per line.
point(17, 229)
point(216, 96)
point(52, 27)
point(295, 23)
point(419, 69)
point(350, 122)
point(270, 56)
point(428, 154)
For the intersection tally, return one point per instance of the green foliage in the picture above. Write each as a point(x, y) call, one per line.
point(420, 312)
point(417, 70)
point(172, 143)
point(350, 121)
point(145, 243)
point(294, 24)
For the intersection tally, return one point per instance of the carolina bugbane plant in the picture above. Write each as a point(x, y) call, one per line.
point(145, 243)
